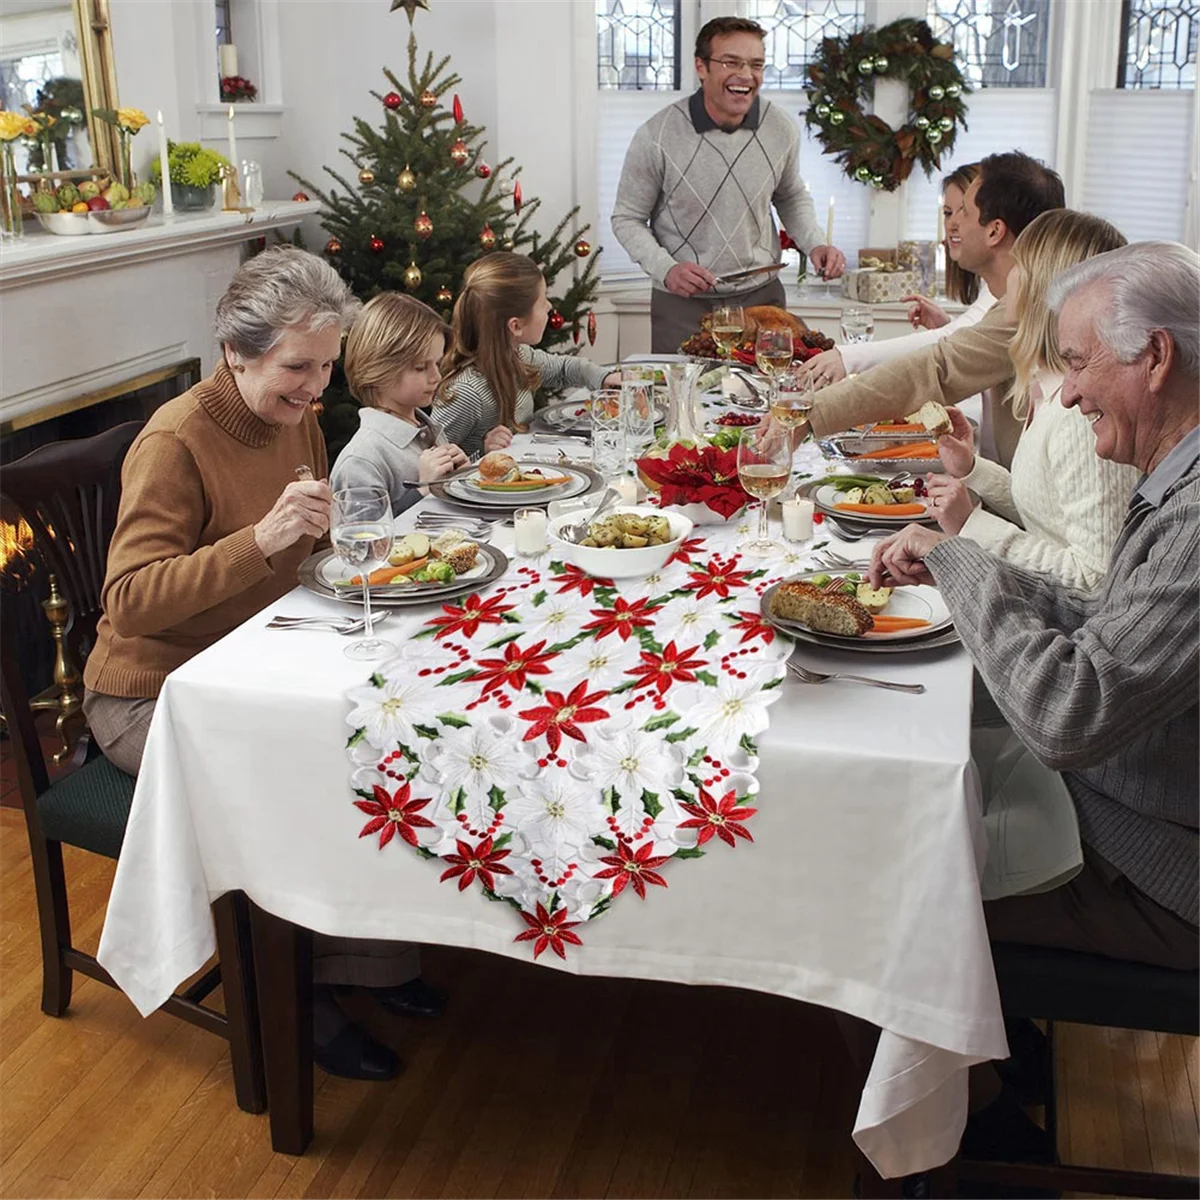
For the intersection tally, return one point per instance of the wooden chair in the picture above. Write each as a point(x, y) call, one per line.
point(1088, 989)
point(68, 493)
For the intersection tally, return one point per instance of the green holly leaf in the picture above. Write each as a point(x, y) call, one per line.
point(535, 688)
point(357, 736)
point(747, 743)
point(408, 752)
point(689, 852)
point(712, 639)
point(706, 678)
point(364, 793)
point(557, 567)
point(495, 798)
point(766, 687)
point(503, 641)
point(378, 680)
point(458, 800)
point(426, 731)
point(511, 618)
point(697, 757)
point(661, 721)
point(424, 853)
point(467, 674)
point(539, 599)
point(611, 798)
point(603, 906)
point(603, 842)
point(453, 720)
point(682, 796)
point(502, 841)
point(681, 735)
point(650, 803)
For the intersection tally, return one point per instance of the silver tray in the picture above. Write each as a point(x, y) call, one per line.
point(403, 595)
point(847, 446)
point(503, 505)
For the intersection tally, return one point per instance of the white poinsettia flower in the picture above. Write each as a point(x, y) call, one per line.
point(476, 758)
point(390, 713)
point(688, 620)
point(556, 816)
point(734, 707)
point(657, 583)
point(632, 761)
point(601, 662)
point(556, 619)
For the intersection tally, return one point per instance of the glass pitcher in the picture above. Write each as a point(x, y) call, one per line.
point(685, 420)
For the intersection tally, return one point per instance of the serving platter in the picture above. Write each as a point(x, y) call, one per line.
point(462, 489)
point(850, 448)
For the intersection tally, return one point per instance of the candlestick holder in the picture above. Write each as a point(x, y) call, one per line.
point(65, 697)
point(230, 192)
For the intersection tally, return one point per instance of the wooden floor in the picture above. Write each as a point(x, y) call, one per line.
point(674, 1091)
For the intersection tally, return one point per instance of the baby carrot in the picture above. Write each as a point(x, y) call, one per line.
point(387, 574)
point(910, 450)
point(886, 510)
point(882, 624)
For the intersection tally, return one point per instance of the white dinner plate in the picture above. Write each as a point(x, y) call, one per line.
point(332, 572)
point(463, 487)
point(825, 498)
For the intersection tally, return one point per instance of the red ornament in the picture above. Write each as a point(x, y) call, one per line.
point(591, 329)
point(487, 239)
point(457, 110)
point(392, 101)
point(583, 248)
point(333, 246)
point(301, 196)
point(575, 332)
point(423, 225)
point(483, 170)
point(517, 197)
point(556, 319)
point(459, 153)
point(376, 243)
point(444, 295)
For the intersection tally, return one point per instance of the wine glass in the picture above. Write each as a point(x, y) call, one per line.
point(858, 323)
point(608, 436)
point(361, 531)
point(773, 352)
point(792, 402)
point(728, 328)
point(764, 464)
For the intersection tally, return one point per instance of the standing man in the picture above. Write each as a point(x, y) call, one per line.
point(695, 197)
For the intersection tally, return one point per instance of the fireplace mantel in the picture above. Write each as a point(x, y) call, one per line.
point(81, 314)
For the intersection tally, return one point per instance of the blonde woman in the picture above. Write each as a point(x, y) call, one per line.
point(392, 357)
point(1060, 508)
point(492, 368)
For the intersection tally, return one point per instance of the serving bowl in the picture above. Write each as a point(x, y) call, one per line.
point(605, 562)
point(113, 220)
point(69, 224)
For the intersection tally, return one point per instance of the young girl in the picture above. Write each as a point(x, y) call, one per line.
point(492, 368)
point(392, 356)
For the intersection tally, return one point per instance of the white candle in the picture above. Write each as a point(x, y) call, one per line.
point(941, 222)
point(228, 61)
point(797, 520)
point(233, 156)
point(626, 489)
point(829, 224)
point(168, 203)
point(529, 530)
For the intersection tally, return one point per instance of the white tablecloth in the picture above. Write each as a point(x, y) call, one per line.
point(860, 892)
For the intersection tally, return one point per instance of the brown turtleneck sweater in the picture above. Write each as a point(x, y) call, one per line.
point(184, 568)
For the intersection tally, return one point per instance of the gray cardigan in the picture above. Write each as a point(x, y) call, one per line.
point(385, 452)
point(1104, 686)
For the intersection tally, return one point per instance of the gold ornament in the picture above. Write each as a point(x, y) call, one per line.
point(428, 99)
point(444, 295)
point(583, 248)
point(412, 277)
point(423, 225)
point(487, 239)
point(406, 180)
point(366, 176)
point(507, 244)
point(837, 117)
point(333, 246)
point(459, 153)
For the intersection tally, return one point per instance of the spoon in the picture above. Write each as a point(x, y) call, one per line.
point(578, 530)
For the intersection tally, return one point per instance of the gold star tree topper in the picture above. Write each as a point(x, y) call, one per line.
point(410, 6)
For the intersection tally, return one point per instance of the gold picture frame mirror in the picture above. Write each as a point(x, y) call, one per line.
point(57, 55)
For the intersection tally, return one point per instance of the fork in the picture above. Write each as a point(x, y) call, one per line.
point(808, 676)
point(343, 625)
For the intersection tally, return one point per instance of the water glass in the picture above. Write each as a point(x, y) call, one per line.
point(858, 323)
point(608, 435)
point(637, 416)
point(361, 532)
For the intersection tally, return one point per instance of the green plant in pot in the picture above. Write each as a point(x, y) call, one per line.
point(194, 169)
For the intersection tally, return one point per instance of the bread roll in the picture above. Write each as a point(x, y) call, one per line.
point(935, 418)
point(498, 467)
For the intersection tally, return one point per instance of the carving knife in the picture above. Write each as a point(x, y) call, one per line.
point(753, 271)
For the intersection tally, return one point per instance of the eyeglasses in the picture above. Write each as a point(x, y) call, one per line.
point(755, 66)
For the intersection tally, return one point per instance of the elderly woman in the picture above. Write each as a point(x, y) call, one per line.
point(222, 498)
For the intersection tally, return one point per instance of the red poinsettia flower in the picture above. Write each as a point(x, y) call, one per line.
point(467, 617)
point(481, 860)
point(392, 814)
point(513, 668)
point(671, 666)
point(687, 549)
point(723, 817)
point(697, 475)
point(561, 714)
point(622, 618)
point(717, 575)
point(637, 868)
point(573, 579)
point(547, 930)
point(752, 625)
point(785, 241)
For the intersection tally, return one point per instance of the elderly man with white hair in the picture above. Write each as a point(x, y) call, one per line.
point(1104, 686)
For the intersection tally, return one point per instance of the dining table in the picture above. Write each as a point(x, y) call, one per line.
point(855, 886)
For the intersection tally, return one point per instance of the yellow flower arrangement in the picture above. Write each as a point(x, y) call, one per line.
point(132, 119)
point(14, 125)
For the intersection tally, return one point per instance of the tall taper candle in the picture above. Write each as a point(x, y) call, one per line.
point(829, 224)
point(941, 222)
point(168, 203)
point(233, 157)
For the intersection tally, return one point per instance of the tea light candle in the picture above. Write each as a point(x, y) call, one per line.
point(626, 489)
point(529, 530)
point(797, 520)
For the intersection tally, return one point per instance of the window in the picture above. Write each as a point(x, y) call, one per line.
point(1159, 39)
point(1000, 43)
point(794, 32)
point(224, 24)
point(638, 45)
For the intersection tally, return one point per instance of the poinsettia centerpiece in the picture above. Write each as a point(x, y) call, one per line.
point(695, 474)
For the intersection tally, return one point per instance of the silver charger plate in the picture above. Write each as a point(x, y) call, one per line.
point(815, 490)
point(456, 490)
point(403, 595)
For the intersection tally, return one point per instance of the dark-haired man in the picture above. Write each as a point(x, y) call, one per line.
point(1010, 191)
point(695, 197)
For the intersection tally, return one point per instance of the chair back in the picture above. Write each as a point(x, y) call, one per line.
point(68, 492)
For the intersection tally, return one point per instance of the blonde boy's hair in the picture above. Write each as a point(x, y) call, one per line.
point(1047, 246)
point(390, 335)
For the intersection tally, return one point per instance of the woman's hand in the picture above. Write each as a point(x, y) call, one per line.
point(956, 449)
point(949, 502)
point(826, 367)
point(924, 314)
point(499, 438)
point(438, 461)
point(302, 510)
point(900, 560)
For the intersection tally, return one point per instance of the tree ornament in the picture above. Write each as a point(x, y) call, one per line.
point(837, 117)
point(366, 176)
point(423, 226)
point(406, 181)
point(556, 319)
point(881, 64)
point(412, 277)
point(457, 110)
point(517, 196)
point(933, 134)
point(922, 122)
point(863, 174)
point(333, 246)
point(591, 328)
point(376, 244)
point(583, 248)
point(392, 101)
point(487, 239)
point(428, 99)
point(823, 110)
point(877, 181)
point(866, 66)
point(945, 124)
point(575, 332)
point(444, 295)
point(954, 91)
point(409, 6)
point(300, 197)
point(459, 153)
point(937, 92)
point(483, 170)
point(507, 244)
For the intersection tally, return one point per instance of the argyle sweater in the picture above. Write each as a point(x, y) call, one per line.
point(691, 191)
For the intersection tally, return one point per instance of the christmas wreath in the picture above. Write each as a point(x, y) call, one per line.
point(843, 76)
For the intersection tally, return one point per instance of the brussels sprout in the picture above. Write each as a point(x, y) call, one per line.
point(820, 580)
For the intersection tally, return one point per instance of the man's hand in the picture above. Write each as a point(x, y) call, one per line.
point(302, 510)
point(924, 314)
point(826, 367)
point(956, 449)
point(438, 461)
point(828, 261)
point(899, 560)
point(949, 502)
point(689, 279)
point(499, 438)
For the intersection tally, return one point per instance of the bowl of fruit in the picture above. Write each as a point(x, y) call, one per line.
point(92, 207)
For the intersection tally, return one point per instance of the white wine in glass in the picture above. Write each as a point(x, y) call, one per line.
point(728, 328)
point(764, 465)
point(792, 402)
point(773, 351)
point(361, 532)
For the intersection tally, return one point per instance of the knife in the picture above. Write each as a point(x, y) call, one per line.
point(753, 271)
